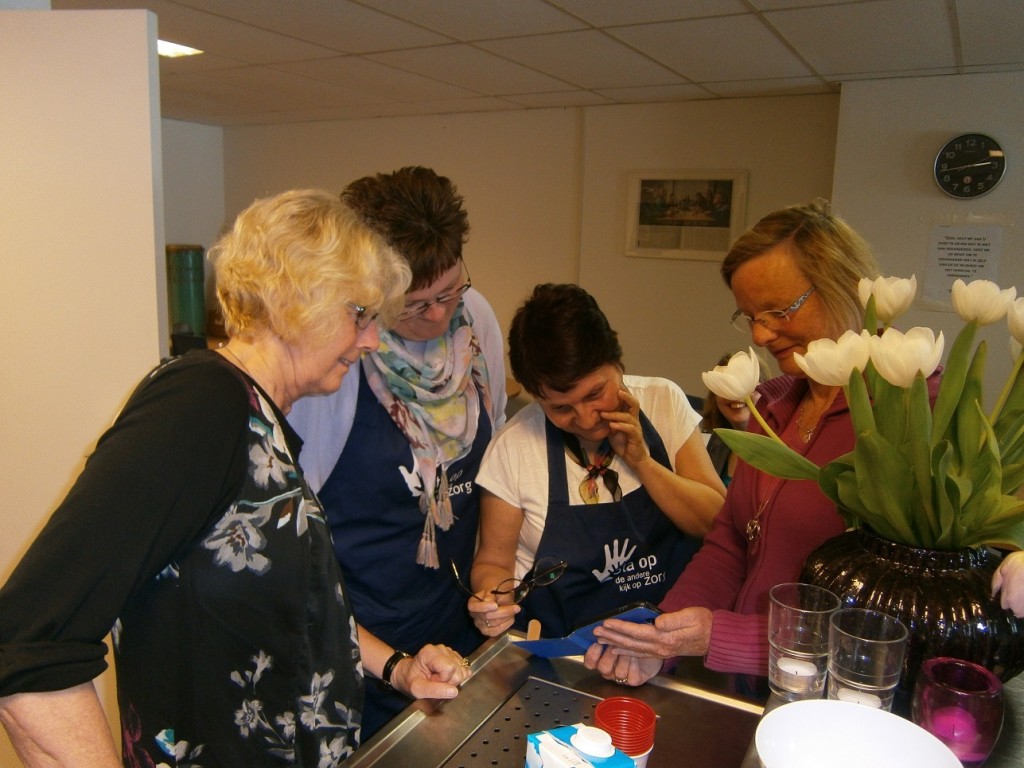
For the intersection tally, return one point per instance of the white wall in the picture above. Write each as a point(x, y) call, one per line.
point(518, 172)
point(193, 167)
point(81, 233)
point(546, 196)
point(673, 316)
point(889, 134)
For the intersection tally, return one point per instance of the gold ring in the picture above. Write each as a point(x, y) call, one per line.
point(621, 680)
point(465, 662)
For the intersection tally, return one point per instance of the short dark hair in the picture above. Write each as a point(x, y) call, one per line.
point(419, 213)
point(558, 336)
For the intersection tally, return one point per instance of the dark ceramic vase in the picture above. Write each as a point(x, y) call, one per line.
point(943, 596)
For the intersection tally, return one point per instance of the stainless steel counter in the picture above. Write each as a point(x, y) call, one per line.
point(512, 693)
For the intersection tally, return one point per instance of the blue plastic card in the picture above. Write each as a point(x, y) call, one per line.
point(577, 642)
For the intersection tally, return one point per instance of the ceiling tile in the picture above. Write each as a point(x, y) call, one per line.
point(273, 61)
point(586, 59)
point(560, 99)
point(656, 93)
point(481, 19)
point(876, 36)
point(337, 24)
point(376, 78)
point(610, 13)
point(991, 32)
point(693, 48)
point(471, 68)
point(764, 5)
point(783, 86)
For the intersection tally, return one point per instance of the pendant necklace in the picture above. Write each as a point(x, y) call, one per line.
point(753, 529)
point(805, 433)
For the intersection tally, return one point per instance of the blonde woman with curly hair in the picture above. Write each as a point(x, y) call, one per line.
point(192, 537)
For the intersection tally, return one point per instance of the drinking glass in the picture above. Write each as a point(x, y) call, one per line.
point(798, 617)
point(865, 657)
point(961, 703)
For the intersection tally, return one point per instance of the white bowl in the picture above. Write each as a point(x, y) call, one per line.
point(839, 734)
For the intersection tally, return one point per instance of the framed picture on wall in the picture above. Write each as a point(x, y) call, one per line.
point(684, 214)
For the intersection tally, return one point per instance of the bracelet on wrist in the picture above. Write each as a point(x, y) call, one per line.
point(389, 667)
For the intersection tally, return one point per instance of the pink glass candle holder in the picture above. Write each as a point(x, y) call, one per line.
point(961, 703)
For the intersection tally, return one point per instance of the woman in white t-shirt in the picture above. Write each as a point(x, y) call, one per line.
point(600, 490)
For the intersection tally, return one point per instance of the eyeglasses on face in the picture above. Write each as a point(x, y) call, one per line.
point(417, 308)
point(770, 318)
point(363, 318)
point(546, 571)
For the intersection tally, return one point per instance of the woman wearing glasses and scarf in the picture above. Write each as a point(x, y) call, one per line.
point(604, 471)
point(794, 276)
point(393, 455)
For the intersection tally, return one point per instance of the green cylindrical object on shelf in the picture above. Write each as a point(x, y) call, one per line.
point(186, 289)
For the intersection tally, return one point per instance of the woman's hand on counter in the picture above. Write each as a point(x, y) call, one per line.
point(433, 673)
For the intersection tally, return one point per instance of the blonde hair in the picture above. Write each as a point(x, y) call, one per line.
point(292, 261)
point(830, 254)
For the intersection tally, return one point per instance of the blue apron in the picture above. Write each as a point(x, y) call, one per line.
point(376, 524)
point(589, 536)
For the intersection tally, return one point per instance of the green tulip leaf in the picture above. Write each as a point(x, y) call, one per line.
point(882, 479)
point(861, 415)
point(1012, 397)
point(829, 474)
point(945, 507)
point(890, 410)
point(969, 416)
point(919, 426)
point(953, 377)
point(769, 455)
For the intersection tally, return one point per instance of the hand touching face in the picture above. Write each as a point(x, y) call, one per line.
point(581, 411)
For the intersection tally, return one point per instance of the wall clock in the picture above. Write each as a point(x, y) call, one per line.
point(969, 165)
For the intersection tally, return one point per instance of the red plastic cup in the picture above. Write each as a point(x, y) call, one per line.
point(630, 722)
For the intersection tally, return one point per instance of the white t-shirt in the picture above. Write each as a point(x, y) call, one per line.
point(515, 467)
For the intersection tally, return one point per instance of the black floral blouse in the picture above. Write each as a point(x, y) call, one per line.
point(192, 534)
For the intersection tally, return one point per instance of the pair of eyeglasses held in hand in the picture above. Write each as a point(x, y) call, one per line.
point(545, 572)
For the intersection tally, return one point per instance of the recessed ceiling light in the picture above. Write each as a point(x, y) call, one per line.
point(173, 50)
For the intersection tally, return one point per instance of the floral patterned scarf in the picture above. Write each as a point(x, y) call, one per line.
point(434, 398)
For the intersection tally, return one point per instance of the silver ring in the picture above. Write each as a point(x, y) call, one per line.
point(487, 622)
point(621, 680)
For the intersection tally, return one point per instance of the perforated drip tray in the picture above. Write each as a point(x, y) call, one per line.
point(538, 705)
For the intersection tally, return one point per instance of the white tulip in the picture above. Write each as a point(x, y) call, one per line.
point(899, 357)
point(1015, 320)
point(736, 380)
point(893, 295)
point(831, 362)
point(981, 301)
